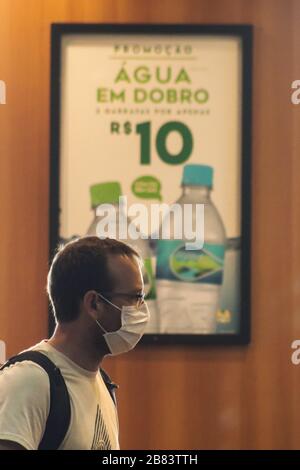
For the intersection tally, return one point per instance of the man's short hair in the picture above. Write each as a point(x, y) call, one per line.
point(80, 266)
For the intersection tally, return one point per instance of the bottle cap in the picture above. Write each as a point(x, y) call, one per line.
point(197, 175)
point(105, 193)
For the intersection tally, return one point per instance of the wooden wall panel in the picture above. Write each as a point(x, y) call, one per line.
point(170, 397)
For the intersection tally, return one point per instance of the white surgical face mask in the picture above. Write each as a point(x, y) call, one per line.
point(133, 324)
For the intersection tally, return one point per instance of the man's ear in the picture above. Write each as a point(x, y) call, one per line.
point(91, 303)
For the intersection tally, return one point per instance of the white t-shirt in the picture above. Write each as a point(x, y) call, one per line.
point(25, 401)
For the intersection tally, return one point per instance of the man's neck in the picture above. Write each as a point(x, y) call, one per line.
point(77, 349)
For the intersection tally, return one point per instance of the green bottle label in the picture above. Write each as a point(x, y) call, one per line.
point(150, 280)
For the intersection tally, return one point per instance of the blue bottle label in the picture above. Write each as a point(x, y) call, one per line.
point(174, 262)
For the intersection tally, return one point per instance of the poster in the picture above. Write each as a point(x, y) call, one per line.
point(157, 123)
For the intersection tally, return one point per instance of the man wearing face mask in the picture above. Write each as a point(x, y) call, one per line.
point(97, 295)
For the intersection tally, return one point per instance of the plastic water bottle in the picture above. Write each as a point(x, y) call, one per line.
point(189, 282)
point(228, 318)
point(114, 217)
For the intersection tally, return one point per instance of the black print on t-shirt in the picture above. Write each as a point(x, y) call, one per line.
point(101, 438)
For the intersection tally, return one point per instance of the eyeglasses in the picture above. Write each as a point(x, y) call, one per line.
point(137, 298)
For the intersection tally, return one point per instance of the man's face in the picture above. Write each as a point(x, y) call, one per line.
point(127, 281)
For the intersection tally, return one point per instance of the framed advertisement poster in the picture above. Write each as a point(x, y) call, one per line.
point(153, 123)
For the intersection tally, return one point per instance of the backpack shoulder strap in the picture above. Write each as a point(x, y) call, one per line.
point(111, 387)
point(59, 417)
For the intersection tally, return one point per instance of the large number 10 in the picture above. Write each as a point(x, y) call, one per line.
point(144, 129)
